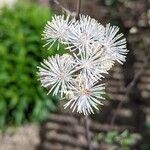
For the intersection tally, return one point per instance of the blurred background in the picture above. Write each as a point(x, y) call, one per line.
point(31, 119)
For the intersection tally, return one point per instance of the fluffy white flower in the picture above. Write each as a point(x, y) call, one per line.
point(87, 96)
point(93, 65)
point(94, 50)
point(55, 73)
point(115, 44)
point(57, 30)
point(84, 33)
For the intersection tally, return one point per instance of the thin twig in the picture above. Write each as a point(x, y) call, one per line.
point(62, 7)
point(129, 87)
point(78, 8)
point(87, 132)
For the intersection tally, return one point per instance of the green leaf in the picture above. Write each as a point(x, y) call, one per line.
point(22, 97)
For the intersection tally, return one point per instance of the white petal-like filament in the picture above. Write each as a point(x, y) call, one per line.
point(55, 73)
point(86, 97)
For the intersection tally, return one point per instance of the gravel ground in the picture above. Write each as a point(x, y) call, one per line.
point(24, 138)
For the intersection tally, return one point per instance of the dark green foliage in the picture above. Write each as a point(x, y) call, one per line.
point(116, 140)
point(107, 2)
point(21, 97)
point(146, 132)
point(110, 2)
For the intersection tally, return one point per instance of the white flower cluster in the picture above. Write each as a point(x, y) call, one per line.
point(93, 50)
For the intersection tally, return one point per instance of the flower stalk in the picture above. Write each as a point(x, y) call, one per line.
point(87, 132)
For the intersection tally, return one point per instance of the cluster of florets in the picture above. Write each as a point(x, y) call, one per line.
point(77, 75)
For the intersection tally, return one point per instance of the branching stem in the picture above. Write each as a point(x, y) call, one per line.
point(78, 8)
point(129, 88)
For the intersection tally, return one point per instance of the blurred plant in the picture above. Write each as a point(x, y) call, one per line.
point(146, 133)
point(110, 2)
point(124, 140)
point(113, 3)
point(21, 97)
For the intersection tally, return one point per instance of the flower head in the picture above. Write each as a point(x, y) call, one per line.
point(84, 33)
point(115, 44)
point(86, 96)
point(55, 73)
point(93, 65)
point(57, 30)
